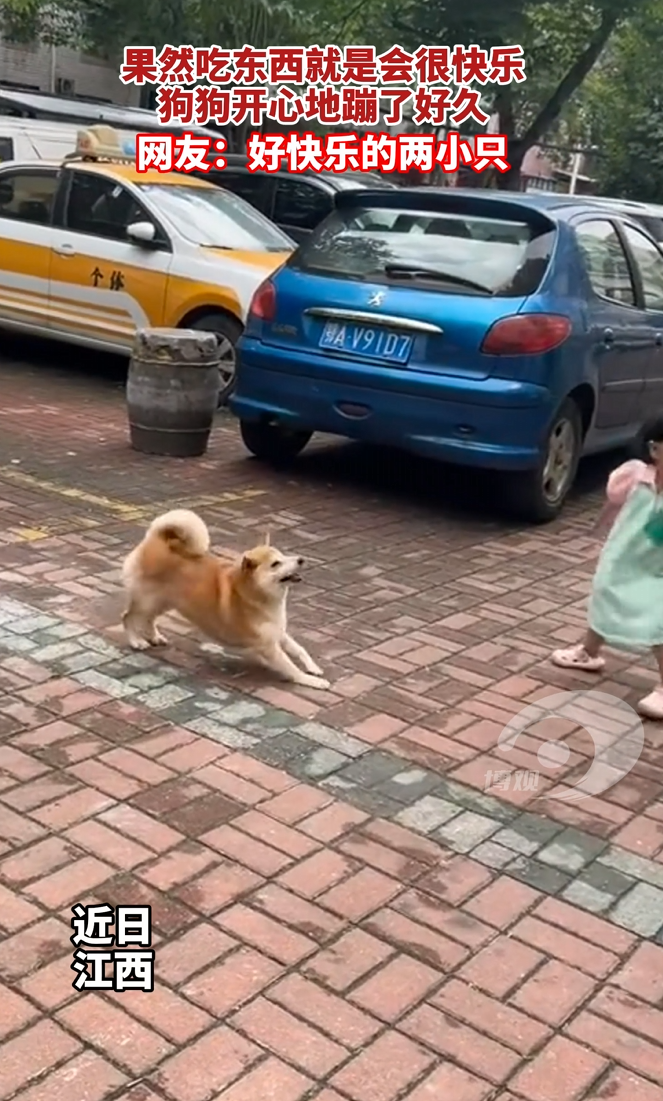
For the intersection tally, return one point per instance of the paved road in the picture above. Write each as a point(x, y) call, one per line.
point(356, 895)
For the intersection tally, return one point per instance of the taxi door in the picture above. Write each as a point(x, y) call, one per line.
point(103, 286)
point(27, 196)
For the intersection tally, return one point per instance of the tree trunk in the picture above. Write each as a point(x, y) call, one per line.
point(550, 112)
point(504, 108)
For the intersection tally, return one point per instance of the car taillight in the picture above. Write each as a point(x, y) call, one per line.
point(526, 334)
point(263, 303)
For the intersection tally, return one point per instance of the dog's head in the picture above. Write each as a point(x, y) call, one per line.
point(269, 570)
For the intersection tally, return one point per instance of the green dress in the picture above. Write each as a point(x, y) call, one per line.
point(626, 605)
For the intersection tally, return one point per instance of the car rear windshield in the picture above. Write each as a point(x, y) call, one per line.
point(441, 251)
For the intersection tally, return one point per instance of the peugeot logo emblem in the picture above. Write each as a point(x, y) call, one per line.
point(376, 298)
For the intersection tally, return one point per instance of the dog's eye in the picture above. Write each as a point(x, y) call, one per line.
point(275, 565)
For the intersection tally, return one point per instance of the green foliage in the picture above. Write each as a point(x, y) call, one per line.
point(621, 100)
point(34, 20)
point(622, 107)
point(108, 25)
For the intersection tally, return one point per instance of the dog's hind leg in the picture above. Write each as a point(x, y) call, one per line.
point(139, 621)
point(296, 651)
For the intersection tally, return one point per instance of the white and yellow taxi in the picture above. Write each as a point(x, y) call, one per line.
point(91, 250)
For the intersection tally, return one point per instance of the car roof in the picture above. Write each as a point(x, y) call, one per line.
point(118, 171)
point(83, 112)
point(551, 204)
point(549, 200)
point(654, 210)
point(546, 202)
point(10, 124)
point(336, 180)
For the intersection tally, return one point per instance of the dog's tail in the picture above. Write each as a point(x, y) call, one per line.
point(183, 532)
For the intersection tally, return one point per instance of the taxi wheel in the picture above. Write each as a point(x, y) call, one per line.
point(228, 332)
point(272, 443)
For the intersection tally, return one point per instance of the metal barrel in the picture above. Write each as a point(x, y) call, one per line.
point(172, 391)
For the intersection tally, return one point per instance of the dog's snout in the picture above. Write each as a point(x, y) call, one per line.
point(300, 561)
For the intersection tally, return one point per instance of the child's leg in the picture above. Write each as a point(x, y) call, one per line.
point(652, 705)
point(593, 643)
point(585, 655)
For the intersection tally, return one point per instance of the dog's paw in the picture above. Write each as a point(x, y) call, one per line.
point(315, 670)
point(158, 639)
point(316, 682)
point(139, 644)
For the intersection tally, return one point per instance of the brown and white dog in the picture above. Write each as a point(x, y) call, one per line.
point(240, 603)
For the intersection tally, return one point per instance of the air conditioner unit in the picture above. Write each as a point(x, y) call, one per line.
point(65, 87)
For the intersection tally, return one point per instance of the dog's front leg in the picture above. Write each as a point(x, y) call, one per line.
point(278, 661)
point(295, 650)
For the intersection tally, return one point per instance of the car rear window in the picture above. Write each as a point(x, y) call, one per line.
point(439, 250)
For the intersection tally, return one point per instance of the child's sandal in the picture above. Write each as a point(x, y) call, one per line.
point(651, 707)
point(576, 657)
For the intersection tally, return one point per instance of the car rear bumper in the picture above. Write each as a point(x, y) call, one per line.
point(493, 423)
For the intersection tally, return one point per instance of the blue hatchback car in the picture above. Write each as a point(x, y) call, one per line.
point(508, 331)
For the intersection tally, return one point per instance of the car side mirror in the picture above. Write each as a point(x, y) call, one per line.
point(141, 233)
point(6, 193)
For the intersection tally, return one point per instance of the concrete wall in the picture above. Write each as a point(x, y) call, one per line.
point(38, 67)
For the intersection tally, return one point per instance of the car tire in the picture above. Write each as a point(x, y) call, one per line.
point(228, 331)
point(272, 443)
point(638, 448)
point(538, 495)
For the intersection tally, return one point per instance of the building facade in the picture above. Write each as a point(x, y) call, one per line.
point(62, 71)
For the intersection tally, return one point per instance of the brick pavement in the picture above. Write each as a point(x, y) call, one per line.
point(341, 911)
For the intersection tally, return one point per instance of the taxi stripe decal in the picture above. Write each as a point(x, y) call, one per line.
point(73, 292)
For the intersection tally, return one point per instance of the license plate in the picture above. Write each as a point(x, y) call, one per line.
point(367, 343)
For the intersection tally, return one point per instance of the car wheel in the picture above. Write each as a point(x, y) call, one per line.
point(539, 495)
point(228, 332)
point(272, 443)
point(638, 448)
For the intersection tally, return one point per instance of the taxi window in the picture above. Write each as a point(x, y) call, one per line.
point(102, 207)
point(6, 149)
point(27, 195)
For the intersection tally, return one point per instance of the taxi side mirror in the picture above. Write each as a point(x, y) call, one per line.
point(141, 233)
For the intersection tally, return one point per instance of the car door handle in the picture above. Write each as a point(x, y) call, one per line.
point(608, 336)
point(64, 250)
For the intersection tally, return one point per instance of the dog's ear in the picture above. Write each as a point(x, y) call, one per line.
point(248, 563)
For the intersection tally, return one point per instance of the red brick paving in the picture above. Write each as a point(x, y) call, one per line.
point(305, 950)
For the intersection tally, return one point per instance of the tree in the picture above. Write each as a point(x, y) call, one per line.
point(109, 25)
point(563, 42)
point(623, 107)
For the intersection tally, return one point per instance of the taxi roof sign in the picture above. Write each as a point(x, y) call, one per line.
point(104, 143)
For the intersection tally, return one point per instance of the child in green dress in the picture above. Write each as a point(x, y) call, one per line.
point(626, 604)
